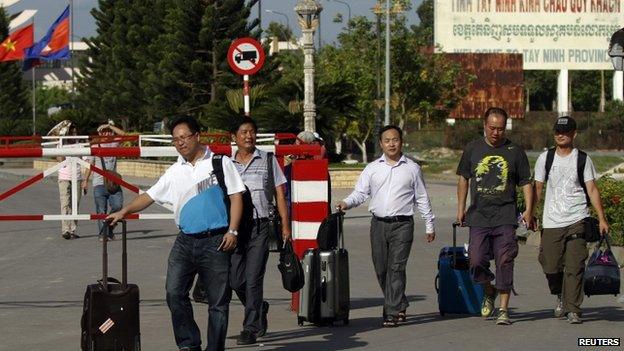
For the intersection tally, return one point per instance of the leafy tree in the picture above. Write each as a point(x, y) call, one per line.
point(279, 30)
point(118, 58)
point(585, 90)
point(14, 103)
point(46, 97)
point(541, 90)
point(351, 62)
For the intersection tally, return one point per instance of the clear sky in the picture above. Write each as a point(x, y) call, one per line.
point(84, 24)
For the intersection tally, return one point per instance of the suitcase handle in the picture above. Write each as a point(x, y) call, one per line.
point(340, 221)
point(435, 283)
point(124, 256)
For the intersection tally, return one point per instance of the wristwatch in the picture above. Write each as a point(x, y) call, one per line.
point(233, 232)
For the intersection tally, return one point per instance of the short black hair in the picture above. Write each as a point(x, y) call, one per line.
point(388, 127)
point(495, 111)
point(190, 122)
point(238, 122)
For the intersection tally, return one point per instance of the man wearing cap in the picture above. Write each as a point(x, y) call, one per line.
point(493, 167)
point(103, 198)
point(563, 249)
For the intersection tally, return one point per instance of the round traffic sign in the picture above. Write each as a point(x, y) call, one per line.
point(246, 56)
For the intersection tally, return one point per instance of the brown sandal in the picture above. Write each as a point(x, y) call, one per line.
point(402, 317)
point(390, 322)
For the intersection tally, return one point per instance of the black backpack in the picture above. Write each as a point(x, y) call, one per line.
point(580, 168)
point(247, 220)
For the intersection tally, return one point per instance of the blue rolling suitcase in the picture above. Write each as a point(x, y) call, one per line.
point(457, 293)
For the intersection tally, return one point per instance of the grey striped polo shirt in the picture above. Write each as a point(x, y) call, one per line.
point(255, 176)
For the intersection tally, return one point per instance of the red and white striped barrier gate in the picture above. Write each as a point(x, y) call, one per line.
point(309, 178)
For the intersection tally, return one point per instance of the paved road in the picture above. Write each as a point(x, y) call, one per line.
point(42, 281)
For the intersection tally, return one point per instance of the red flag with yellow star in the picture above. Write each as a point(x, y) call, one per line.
point(12, 48)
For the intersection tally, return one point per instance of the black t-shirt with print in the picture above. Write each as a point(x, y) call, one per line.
point(494, 174)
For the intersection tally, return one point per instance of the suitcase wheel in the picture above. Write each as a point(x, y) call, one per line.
point(300, 321)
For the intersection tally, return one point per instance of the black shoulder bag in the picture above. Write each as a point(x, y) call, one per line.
point(291, 269)
point(276, 243)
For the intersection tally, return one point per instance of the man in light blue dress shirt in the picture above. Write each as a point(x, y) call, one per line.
point(396, 188)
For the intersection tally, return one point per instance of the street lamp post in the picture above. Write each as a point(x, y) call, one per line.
point(348, 11)
point(309, 15)
point(287, 25)
point(387, 87)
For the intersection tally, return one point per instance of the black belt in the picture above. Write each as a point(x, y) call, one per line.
point(207, 233)
point(392, 219)
point(262, 220)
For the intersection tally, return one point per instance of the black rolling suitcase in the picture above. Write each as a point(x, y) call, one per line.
point(110, 317)
point(325, 296)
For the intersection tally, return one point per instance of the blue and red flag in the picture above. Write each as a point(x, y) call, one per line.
point(53, 46)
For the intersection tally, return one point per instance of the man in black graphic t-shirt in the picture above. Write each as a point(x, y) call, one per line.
point(494, 167)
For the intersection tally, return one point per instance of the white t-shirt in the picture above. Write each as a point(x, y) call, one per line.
point(565, 201)
point(64, 173)
point(182, 182)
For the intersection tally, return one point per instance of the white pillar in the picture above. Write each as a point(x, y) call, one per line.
point(562, 93)
point(618, 85)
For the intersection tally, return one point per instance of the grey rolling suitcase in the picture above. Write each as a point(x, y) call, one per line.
point(324, 298)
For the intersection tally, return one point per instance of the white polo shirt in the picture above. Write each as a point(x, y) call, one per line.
point(193, 192)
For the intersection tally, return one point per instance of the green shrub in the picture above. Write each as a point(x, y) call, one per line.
point(612, 195)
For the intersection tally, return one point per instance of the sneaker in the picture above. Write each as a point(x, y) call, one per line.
point(487, 307)
point(264, 322)
point(559, 312)
point(66, 236)
point(246, 338)
point(74, 236)
point(503, 318)
point(574, 318)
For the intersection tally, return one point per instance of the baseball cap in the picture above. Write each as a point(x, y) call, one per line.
point(565, 124)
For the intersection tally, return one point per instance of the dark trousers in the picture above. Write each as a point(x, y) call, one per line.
point(247, 275)
point(498, 243)
point(391, 243)
point(563, 252)
point(190, 256)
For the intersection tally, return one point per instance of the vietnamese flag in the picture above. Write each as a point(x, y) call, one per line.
point(12, 48)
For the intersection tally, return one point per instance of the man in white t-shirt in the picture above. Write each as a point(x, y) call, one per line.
point(207, 233)
point(563, 248)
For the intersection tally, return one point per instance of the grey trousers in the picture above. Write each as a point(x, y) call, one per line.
point(247, 275)
point(391, 244)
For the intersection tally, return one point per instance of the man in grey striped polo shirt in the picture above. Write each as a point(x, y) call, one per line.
point(249, 260)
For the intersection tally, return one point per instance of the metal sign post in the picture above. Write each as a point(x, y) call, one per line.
point(246, 57)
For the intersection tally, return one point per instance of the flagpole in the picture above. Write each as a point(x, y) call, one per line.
point(34, 93)
point(34, 102)
point(71, 47)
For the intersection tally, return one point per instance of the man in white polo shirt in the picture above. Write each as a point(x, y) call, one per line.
point(207, 233)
